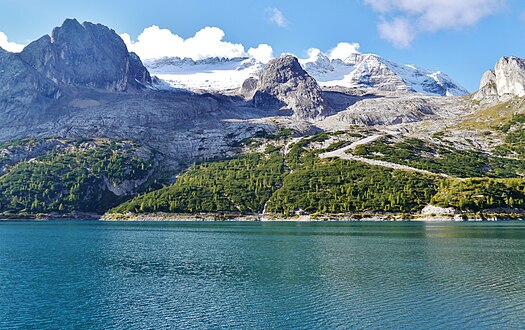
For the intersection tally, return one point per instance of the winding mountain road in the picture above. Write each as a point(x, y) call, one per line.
point(342, 153)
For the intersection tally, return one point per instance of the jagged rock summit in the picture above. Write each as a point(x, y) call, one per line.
point(86, 55)
point(505, 81)
point(283, 83)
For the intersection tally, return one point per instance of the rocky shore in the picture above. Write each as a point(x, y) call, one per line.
point(479, 216)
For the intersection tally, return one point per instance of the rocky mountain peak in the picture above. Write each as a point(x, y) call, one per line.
point(319, 62)
point(510, 76)
point(505, 81)
point(282, 69)
point(375, 72)
point(283, 83)
point(86, 55)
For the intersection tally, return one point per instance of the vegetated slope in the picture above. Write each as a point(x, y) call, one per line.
point(50, 175)
point(442, 158)
point(342, 186)
point(300, 182)
point(285, 184)
point(242, 184)
point(514, 141)
point(478, 194)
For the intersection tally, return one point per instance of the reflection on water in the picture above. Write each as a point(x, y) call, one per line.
point(262, 275)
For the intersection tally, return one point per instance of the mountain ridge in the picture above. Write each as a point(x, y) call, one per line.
point(356, 71)
point(86, 55)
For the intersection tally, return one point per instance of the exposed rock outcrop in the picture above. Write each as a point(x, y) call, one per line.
point(285, 84)
point(506, 81)
point(487, 86)
point(86, 55)
point(510, 76)
point(382, 111)
point(249, 87)
point(392, 109)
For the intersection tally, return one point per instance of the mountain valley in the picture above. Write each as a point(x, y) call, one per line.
point(86, 127)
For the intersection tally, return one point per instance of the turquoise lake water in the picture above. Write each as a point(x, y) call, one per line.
point(145, 275)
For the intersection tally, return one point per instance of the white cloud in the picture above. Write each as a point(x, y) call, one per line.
point(312, 54)
point(8, 45)
point(408, 17)
point(263, 53)
point(155, 42)
point(343, 50)
point(276, 17)
point(399, 32)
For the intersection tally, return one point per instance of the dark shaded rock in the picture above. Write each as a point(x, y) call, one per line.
point(284, 83)
point(137, 70)
point(248, 88)
point(21, 86)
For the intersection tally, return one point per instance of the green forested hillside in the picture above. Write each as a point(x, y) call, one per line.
point(242, 184)
point(442, 158)
point(298, 181)
point(71, 176)
point(343, 186)
point(481, 193)
point(57, 176)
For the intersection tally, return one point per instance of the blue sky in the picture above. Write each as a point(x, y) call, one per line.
point(461, 38)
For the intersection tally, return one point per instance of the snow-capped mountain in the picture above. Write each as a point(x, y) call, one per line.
point(356, 71)
point(373, 71)
point(211, 74)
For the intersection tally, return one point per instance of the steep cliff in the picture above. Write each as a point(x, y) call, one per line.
point(284, 84)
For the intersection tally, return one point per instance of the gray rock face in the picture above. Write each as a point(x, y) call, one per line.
point(506, 81)
point(487, 86)
point(371, 112)
point(86, 55)
point(285, 84)
point(249, 87)
point(22, 88)
point(138, 71)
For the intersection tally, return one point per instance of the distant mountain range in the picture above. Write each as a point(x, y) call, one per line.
point(356, 71)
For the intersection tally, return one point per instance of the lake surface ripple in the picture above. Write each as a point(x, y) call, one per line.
point(159, 275)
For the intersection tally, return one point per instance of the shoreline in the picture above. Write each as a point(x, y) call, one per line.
point(239, 217)
point(364, 217)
